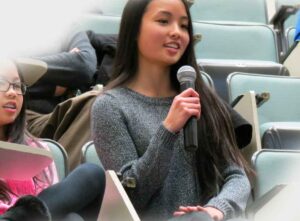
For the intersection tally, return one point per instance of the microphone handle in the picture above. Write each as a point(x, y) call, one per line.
point(190, 128)
point(190, 135)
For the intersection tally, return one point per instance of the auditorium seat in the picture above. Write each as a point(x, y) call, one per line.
point(227, 48)
point(275, 167)
point(282, 105)
point(89, 153)
point(285, 136)
point(290, 34)
point(291, 60)
point(235, 41)
point(276, 186)
point(230, 11)
point(59, 155)
point(207, 79)
point(219, 69)
point(284, 19)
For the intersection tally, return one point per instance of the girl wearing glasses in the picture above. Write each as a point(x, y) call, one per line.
point(78, 197)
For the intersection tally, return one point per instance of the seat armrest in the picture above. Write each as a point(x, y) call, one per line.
point(282, 14)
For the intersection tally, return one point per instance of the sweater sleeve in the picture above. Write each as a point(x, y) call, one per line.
point(234, 193)
point(71, 69)
point(117, 150)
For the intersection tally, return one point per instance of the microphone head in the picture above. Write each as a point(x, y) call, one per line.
point(186, 73)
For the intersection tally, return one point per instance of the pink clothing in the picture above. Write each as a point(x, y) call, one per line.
point(20, 188)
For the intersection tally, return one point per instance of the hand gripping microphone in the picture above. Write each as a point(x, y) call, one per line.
point(186, 76)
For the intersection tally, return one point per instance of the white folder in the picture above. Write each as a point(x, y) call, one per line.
point(22, 162)
point(116, 205)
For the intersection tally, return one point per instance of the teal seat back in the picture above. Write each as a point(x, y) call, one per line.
point(291, 21)
point(60, 157)
point(290, 33)
point(235, 41)
point(275, 167)
point(230, 10)
point(207, 79)
point(101, 24)
point(89, 153)
point(283, 104)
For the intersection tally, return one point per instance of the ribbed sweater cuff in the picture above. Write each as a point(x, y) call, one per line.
point(167, 138)
point(221, 205)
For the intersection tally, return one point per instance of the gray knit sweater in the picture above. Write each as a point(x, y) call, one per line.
point(128, 134)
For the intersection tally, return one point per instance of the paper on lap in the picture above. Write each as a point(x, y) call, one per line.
point(22, 162)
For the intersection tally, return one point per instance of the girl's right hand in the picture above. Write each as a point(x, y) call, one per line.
point(214, 213)
point(184, 106)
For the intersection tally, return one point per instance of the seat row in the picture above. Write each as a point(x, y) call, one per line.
point(279, 14)
point(255, 11)
point(225, 41)
point(274, 170)
point(270, 103)
point(224, 48)
point(276, 173)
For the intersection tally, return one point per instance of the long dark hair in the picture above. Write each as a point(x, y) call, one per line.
point(4, 192)
point(217, 145)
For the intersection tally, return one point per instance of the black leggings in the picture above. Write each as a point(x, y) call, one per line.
point(80, 193)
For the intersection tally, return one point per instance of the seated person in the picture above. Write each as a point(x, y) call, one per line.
point(70, 68)
point(105, 47)
point(77, 197)
point(70, 117)
point(138, 121)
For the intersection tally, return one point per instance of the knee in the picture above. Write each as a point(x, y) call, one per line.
point(94, 174)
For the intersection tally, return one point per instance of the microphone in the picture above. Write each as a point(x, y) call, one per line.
point(186, 76)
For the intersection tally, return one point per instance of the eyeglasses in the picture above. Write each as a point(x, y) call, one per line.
point(19, 87)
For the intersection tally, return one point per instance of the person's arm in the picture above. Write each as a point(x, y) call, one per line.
point(105, 46)
point(73, 67)
point(229, 202)
point(233, 196)
point(117, 150)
